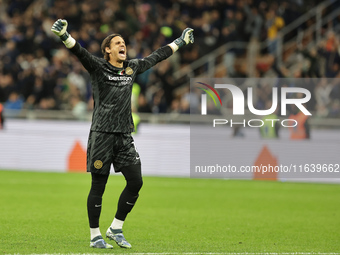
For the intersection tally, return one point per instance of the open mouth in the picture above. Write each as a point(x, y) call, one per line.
point(122, 53)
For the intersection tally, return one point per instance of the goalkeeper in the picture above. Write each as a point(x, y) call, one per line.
point(110, 140)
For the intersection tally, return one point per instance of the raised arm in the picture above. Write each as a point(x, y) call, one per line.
point(166, 51)
point(89, 61)
point(186, 38)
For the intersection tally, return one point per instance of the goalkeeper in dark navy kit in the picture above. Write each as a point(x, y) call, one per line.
point(110, 140)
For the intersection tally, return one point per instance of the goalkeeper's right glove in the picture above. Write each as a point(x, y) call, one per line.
point(59, 28)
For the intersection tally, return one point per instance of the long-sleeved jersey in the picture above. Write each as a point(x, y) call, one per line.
point(112, 87)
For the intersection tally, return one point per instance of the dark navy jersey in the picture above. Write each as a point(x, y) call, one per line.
point(112, 87)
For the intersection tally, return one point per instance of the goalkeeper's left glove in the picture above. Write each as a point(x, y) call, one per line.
point(60, 29)
point(186, 38)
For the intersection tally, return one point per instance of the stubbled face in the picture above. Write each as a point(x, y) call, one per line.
point(117, 49)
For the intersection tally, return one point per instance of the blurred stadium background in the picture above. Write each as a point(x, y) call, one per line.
point(39, 78)
point(41, 82)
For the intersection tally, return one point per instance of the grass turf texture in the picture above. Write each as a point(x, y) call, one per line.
point(46, 213)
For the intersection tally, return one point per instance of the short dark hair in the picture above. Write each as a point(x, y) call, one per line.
point(106, 43)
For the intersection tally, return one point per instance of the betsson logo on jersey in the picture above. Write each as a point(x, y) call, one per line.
point(119, 78)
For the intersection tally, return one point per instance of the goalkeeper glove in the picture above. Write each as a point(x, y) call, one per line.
point(59, 28)
point(186, 38)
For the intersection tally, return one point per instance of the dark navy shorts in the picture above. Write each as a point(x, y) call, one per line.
point(104, 149)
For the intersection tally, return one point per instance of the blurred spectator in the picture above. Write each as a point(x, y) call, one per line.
point(302, 129)
point(76, 78)
point(270, 129)
point(2, 119)
point(254, 23)
point(185, 106)
point(79, 107)
point(328, 49)
point(322, 95)
point(314, 62)
point(158, 102)
point(274, 24)
point(47, 103)
point(163, 72)
point(143, 105)
point(14, 102)
point(334, 111)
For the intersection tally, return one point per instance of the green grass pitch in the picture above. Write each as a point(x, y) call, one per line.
point(46, 213)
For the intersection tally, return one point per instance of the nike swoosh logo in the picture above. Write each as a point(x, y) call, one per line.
point(130, 203)
point(137, 157)
point(97, 205)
